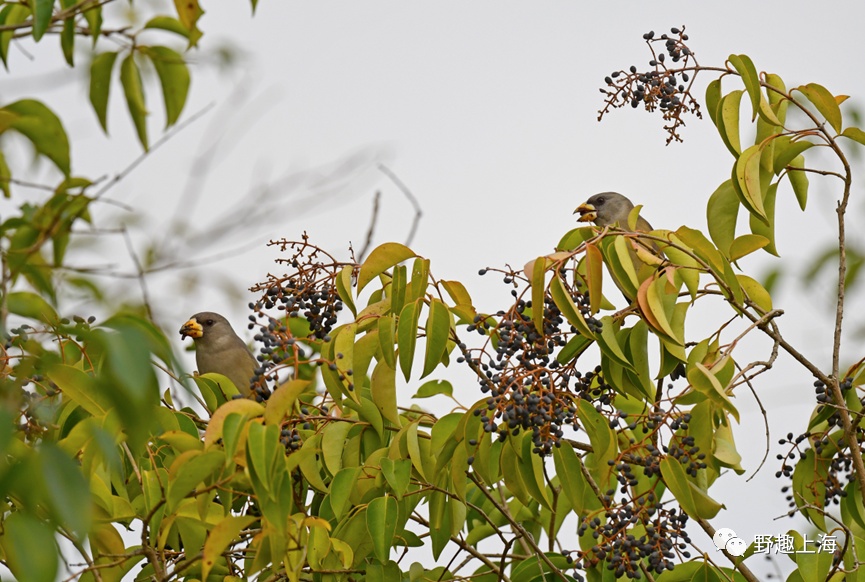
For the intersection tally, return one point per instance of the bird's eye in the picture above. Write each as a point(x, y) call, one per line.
point(209, 322)
point(601, 200)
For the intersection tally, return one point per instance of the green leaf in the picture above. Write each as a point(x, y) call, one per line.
point(458, 293)
point(163, 22)
point(381, 521)
point(223, 533)
point(382, 258)
point(575, 346)
point(531, 467)
point(419, 279)
point(386, 338)
point(10, 15)
point(511, 474)
point(37, 123)
point(756, 292)
point(747, 244)
point(786, 151)
point(67, 41)
point(93, 16)
point(825, 103)
point(189, 12)
point(603, 441)
point(25, 540)
point(41, 17)
point(657, 300)
point(100, 85)
point(809, 487)
point(594, 277)
point(341, 486)
point(333, 442)
point(811, 564)
point(407, 335)
point(722, 212)
point(397, 473)
point(434, 388)
point(383, 389)
point(414, 449)
point(539, 271)
point(798, 180)
point(67, 489)
point(713, 100)
point(281, 402)
point(620, 262)
point(80, 388)
point(747, 173)
point(440, 522)
point(438, 329)
point(728, 121)
point(130, 78)
point(609, 344)
point(746, 69)
point(855, 134)
point(343, 348)
point(173, 76)
point(724, 449)
point(777, 99)
point(197, 469)
point(705, 382)
point(32, 306)
point(575, 237)
point(760, 229)
point(5, 177)
point(696, 502)
point(569, 309)
point(575, 486)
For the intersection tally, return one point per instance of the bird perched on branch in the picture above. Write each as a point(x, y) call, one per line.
point(609, 208)
point(613, 209)
point(218, 349)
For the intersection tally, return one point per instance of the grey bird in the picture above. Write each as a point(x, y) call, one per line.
point(609, 208)
point(218, 349)
point(612, 209)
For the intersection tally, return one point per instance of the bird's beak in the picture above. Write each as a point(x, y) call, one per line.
point(587, 212)
point(191, 329)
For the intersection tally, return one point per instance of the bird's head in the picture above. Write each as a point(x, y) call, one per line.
point(204, 324)
point(605, 209)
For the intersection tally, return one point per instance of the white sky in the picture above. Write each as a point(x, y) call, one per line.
point(487, 111)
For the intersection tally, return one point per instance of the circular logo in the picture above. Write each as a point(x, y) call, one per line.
point(722, 536)
point(736, 546)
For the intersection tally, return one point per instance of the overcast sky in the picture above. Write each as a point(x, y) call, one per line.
point(487, 111)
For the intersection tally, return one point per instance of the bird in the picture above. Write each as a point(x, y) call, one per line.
point(218, 349)
point(613, 209)
point(609, 208)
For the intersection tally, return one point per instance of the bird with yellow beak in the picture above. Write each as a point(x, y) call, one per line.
point(219, 350)
point(610, 209)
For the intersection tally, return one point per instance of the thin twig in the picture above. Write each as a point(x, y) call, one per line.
point(738, 564)
point(160, 142)
point(371, 230)
point(418, 212)
point(141, 273)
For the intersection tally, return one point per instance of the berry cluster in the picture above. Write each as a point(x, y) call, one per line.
point(659, 88)
point(835, 475)
point(294, 316)
point(307, 293)
point(22, 367)
point(529, 388)
point(302, 295)
point(623, 552)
